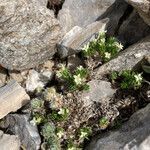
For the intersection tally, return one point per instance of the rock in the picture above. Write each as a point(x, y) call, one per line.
point(81, 12)
point(9, 142)
point(12, 98)
point(128, 59)
point(20, 126)
point(115, 13)
point(100, 91)
point(134, 134)
point(18, 76)
point(35, 79)
point(29, 33)
point(3, 76)
point(74, 40)
point(128, 34)
point(143, 7)
point(73, 62)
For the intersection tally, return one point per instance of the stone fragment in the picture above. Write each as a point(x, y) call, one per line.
point(9, 142)
point(100, 92)
point(12, 98)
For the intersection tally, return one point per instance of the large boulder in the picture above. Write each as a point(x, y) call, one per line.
point(28, 34)
point(143, 7)
point(81, 12)
point(133, 135)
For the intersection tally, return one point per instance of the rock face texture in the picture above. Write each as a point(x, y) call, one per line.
point(9, 142)
point(81, 12)
point(28, 34)
point(128, 59)
point(143, 7)
point(134, 135)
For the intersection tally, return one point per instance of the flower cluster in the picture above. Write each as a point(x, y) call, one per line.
point(75, 81)
point(128, 79)
point(107, 48)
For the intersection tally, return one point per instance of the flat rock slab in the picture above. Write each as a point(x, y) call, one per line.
point(133, 135)
point(9, 142)
point(81, 12)
point(28, 34)
point(100, 92)
point(12, 98)
point(128, 59)
point(77, 37)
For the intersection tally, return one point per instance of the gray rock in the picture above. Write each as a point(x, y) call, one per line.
point(81, 12)
point(128, 59)
point(3, 76)
point(74, 40)
point(133, 29)
point(143, 7)
point(115, 13)
point(133, 135)
point(35, 79)
point(9, 142)
point(20, 126)
point(100, 91)
point(28, 34)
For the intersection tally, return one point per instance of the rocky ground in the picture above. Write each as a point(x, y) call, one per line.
point(74, 74)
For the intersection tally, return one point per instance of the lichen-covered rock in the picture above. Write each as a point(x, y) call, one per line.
point(81, 12)
point(28, 34)
point(143, 7)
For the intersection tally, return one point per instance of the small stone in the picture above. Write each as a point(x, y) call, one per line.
point(99, 92)
point(12, 98)
point(9, 142)
point(33, 81)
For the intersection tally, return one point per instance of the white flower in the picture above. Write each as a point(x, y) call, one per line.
point(119, 45)
point(58, 74)
point(138, 78)
point(77, 79)
point(86, 47)
point(60, 134)
point(80, 68)
point(102, 40)
point(107, 55)
point(62, 111)
point(83, 135)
